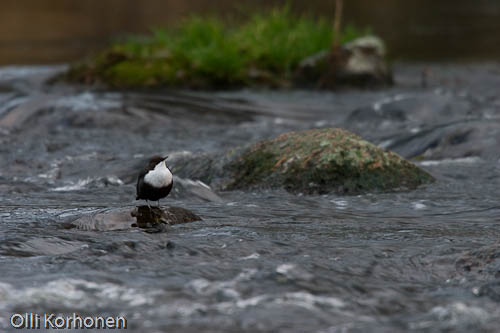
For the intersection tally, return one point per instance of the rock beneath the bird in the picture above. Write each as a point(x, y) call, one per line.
point(152, 219)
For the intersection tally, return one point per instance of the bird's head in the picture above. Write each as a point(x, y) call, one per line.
point(155, 160)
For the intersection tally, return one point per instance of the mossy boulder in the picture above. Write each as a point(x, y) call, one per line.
point(202, 52)
point(323, 161)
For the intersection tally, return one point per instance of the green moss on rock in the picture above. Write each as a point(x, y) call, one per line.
point(322, 161)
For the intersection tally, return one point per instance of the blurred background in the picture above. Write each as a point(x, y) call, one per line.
point(55, 31)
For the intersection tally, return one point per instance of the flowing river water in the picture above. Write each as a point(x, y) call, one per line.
point(261, 261)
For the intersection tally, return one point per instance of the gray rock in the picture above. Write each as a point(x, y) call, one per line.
point(151, 219)
point(359, 63)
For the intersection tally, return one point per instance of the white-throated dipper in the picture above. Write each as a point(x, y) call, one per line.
point(155, 180)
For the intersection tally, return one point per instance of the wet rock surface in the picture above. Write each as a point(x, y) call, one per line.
point(262, 259)
point(144, 217)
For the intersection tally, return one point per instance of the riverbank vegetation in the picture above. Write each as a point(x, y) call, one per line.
point(202, 52)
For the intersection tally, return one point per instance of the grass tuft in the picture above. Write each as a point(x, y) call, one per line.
point(206, 52)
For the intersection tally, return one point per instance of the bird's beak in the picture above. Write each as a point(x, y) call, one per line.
point(165, 158)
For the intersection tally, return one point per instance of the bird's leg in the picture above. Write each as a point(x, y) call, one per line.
point(158, 203)
point(148, 204)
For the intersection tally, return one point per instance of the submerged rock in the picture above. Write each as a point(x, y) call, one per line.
point(152, 219)
point(198, 189)
point(322, 161)
point(480, 264)
point(483, 267)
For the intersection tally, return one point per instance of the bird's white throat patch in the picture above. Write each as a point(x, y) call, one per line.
point(160, 176)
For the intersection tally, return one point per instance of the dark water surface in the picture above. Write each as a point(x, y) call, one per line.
point(268, 261)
